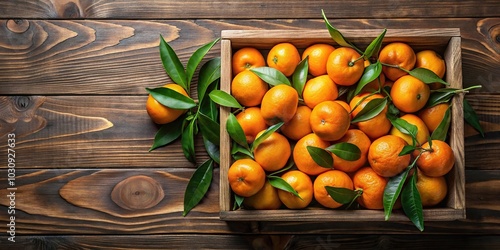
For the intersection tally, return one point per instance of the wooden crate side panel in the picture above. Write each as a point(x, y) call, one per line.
point(454, 77)
point(225, 145)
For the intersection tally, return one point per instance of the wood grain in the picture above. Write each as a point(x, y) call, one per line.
point(94, 132)
point(120, 57)
point(196, 241)
point(239, 9)
point(42, 209)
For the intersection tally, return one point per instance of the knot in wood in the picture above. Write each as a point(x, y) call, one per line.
point(71, 10)
point(137, 192)
point(22, 103)
point(18, 25)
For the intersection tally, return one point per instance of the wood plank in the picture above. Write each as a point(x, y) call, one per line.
point(87, 132)
point(115, 131)
point(235, 241)
point(120, 57)
point(245, 9)
point(42, 207)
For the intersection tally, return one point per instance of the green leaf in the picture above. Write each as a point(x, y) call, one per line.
point(374, 47)
point(439, 96)
point(196, 58)
point(240, 152)
point(299, 77)
point(224, 99)
point(372, 109)
point(342, 195)
point(209, 73)
point(392, 110)
point(471, 118)
point(426, 76)
point(345, 150)
point(266, 134)
point(208, 107)
point(393, 189)
point(212, 150)
point(238, 201)
point(441, 131)
point(187, 141)
point(235, 131)
point(279, 183)
point(167, 133)
point(404, 127)
point(172, 64)
point(171, 98)
point(322, 157)
point(371, 73)
point(407, 149)
point(271, 75)
point(412, 204)
point(198, 186)
point(209, 128)
point(337, 36)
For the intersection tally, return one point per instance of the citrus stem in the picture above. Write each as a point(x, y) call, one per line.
point(351, 63)
point(395, 66)
point(466, 90)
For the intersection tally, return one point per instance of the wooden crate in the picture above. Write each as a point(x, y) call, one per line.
point(447, 42)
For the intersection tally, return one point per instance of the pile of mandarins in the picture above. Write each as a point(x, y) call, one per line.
point(320, 116)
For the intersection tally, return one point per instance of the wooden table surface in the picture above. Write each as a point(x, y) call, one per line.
point(73, 75)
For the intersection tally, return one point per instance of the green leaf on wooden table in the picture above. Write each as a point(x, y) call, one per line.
point(441, 131)
point(322, 157)
point(471, 118)
point(209, 73)
point(439, 96)
point(371, 109)
point(393, 189)
point(198, 186)
point(371, 73)
point(407, 149)
point(167, 133)
point(209, 128)
point(299, 77)
point(345, 150)
point(412, 204)
point(266, 134)
point(426, 76)
point(374, 47)
point(224, 99)
point(212, 150)
point(187, 141)
point(279, 183)
point(196, 58)
point(238, 201)
point(271, 76)
point(172, 64)
point(239, 152)
point(208, 107)
point(337, 36)
point(404, 127)
point(235, 131)
point(342, 195)
point(171, 98)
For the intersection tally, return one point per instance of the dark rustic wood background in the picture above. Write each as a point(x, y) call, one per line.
point(72, 87)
